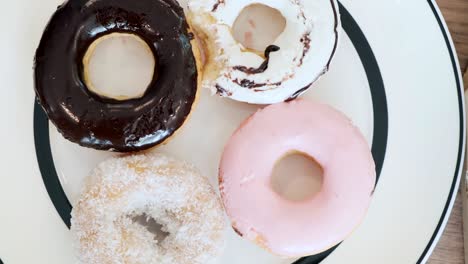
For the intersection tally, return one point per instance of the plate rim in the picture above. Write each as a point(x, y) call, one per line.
point(438, 231)
point(429, 249)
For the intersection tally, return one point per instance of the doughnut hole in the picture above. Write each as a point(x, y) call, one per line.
point(151, 226)
point(297, 177)
point(258, 26)
point(119, 66)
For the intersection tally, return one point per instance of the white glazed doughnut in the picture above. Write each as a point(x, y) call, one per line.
point(173, 193)
point(306, 48)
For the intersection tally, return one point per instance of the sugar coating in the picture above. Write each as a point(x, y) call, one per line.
point(173, 193)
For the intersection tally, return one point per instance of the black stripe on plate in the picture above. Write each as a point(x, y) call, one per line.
point(47, 167)
point(379, 102)
point(456, 177)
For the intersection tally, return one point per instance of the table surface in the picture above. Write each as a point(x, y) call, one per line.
point(450, 248)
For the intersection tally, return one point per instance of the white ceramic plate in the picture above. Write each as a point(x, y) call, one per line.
point(395, 74)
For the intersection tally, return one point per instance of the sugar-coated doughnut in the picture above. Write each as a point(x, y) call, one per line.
point(98, 122)
point(290, 65)
point(172, 193)
point(297, 228)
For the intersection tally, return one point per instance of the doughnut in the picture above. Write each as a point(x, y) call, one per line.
point(287, 67)
point(117, 124)
point(317, 223)
point(159, 188)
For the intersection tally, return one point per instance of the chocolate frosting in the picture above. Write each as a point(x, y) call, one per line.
point(106, 124)
point(263, 67)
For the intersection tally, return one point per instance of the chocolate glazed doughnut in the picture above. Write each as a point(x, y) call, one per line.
point(101, 123)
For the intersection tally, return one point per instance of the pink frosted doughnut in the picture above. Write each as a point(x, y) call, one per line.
point(289, 228)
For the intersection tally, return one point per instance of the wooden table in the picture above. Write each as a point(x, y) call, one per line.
point(456, 14)
point(450, 248)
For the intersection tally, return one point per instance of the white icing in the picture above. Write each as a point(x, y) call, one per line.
point(315, 19)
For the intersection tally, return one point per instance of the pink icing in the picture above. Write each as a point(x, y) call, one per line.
point(314, 225)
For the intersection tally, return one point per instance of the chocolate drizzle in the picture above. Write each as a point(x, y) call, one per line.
point(237, 231)
point(263, 67)
point(221, 91)
point(215, 7)
point(302, 14)
point(305, 40)
point(106, 124)
point(251, 84)
point(299, 92)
